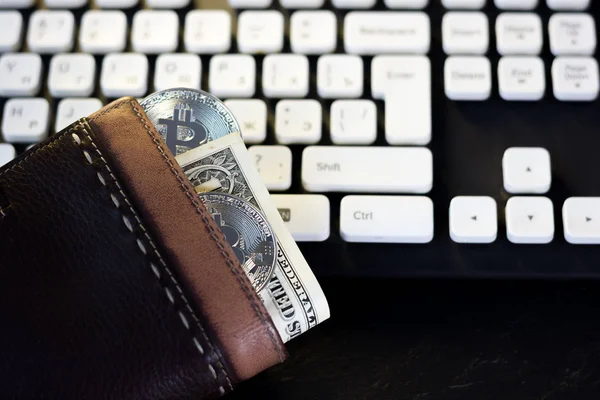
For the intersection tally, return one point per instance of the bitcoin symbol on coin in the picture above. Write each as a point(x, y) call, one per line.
point(188, 118)
point(197, 131)
point(232, 236)
point(248, 234)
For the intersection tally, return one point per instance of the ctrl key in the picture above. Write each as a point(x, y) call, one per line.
point(386, 219)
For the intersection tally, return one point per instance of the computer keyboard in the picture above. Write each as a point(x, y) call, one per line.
point(399, 138)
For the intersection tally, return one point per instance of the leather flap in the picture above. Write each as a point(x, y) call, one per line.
point(115, 282)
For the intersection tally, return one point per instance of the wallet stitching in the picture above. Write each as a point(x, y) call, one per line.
point(60, 136)
point(144, 251)
point(186, 191)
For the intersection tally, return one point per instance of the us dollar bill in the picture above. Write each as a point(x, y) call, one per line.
point(292, 296)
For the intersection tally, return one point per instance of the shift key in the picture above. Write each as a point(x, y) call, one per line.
point(349, 169)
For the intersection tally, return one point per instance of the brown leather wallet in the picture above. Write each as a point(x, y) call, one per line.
point(115, 282)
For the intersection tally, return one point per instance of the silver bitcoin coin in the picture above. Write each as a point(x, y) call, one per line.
point(188, 118)
point(248, 232)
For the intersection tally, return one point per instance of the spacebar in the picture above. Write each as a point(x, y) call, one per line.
point(367, 169)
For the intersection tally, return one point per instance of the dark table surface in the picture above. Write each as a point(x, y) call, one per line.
point(430, 340)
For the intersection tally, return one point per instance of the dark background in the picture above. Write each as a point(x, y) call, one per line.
point(449, 339)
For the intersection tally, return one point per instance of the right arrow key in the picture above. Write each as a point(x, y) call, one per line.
point(581, 219)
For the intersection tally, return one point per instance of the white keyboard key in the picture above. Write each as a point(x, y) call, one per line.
point(516, 4)
point(124, 74)
point(65, 3)
point(251, 115)
point(306, 216)
point(207, 31)
point(167, 3)
point(572, 34)
point(7, 153)
point(581, 220)
point(388, 70)
point(406, 4)
point(468, 78)
point(103, 32)
point(298, 121)
point(274, 163)
point(519, 33)
point(260, 31)
point(529, 220)
point(232, 75)
point(285, 75)
point(72, 75)
point(521, 78)
point(575, 79)
point(353, 3)
point(302, 3)
point(116, 3)
point(353, 122)
point(465, 33)
point(20, 74)
point(313, 32)
point(408, 113)
point(570, 5)
point(51, 31)
point(25, 120)
point(464, 4)
point(71, 110)
point(155, 32)
point(527, 170)
point(11, 30)
point(177, 70)
point(16, 3)
point(359, 169)
point(249, 3)
point(340, 76)
point(473, 219)
point(375, 32)
point(386, 219)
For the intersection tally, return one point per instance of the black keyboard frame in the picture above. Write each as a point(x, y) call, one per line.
point(469, 139)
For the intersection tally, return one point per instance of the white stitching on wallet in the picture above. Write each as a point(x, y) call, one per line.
point(115, 200)
point(170, 295)
point(76, 138)
point(101, 179)
point(184, 320)
point(156, 271)
point(199, 346)
point(127, 223)
point(142, 248)
point(87, 156)
point(212, 371)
